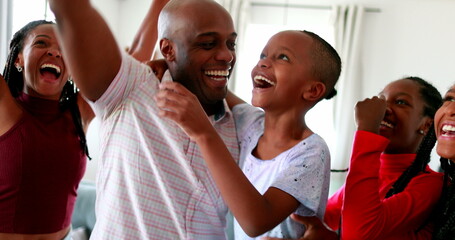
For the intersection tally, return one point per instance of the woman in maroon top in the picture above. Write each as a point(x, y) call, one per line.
point(42, 142)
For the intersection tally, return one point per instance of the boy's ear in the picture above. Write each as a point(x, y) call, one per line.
point(314, 92)
point(167, 49)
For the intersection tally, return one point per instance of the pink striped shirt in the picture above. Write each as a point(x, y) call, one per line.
point(152, 181)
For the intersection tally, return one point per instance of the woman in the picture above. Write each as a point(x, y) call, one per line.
point(42, 142)
point(390, 191)
point(445, 132)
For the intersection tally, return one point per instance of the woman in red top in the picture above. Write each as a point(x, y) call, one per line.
point(42, 142)
point(445, 132)
point(390, 191)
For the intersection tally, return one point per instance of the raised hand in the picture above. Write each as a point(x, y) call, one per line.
point(369, 113)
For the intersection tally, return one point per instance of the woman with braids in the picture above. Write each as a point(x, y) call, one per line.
point(42, 143)
point(390, 191)
point(445, 132)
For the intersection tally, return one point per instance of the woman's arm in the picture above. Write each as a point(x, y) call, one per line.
point(146, 37)
point(256, 213)
point(10, 112)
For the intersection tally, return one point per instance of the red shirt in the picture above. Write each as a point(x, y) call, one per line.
point(365, 212)
point(41, 165)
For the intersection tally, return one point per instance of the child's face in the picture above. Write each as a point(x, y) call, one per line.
point(444, 122)
point(282, 71)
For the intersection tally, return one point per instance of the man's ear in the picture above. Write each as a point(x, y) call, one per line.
point(167, 49)
point(314, 91)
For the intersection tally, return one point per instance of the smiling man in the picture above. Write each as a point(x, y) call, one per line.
point(153, 182)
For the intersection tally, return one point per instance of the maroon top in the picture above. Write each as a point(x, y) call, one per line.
point(41, 165)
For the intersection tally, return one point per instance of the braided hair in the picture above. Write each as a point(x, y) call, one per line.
point(433, 100)
point(15, 80)
point(445, 212)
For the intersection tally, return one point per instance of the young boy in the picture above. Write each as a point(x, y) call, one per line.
point(285, 165)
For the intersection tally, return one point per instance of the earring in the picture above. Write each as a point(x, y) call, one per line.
point(421, 132)
point(19, 68)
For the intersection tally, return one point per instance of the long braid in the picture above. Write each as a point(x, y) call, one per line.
point(15, 80)
point(68, 100)
point(445, 220)
point(423, 157)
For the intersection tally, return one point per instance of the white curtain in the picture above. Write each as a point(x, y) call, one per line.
point(347, 25)
point(5, 30)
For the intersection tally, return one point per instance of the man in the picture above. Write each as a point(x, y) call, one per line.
point(153, 182)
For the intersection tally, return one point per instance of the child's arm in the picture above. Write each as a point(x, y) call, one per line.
point(145, 40)
point(233, 100)
point(256, 213)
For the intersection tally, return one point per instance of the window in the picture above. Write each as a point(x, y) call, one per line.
point(265, 21)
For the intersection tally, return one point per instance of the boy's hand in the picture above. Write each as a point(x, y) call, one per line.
point(369, 113)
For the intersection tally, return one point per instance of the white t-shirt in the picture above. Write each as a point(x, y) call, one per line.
point(302, 171)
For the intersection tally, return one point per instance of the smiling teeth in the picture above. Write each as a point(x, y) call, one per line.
point(386, 124)
point(448, 128)
point(223, 73)
point(261, 78)
point(48, 65)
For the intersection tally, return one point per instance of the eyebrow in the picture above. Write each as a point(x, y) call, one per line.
point(234, 34)
point(283, 48)
point(42, 35)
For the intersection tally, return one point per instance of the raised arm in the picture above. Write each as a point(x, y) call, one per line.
point(89, 48)
point(145, 40)
point(10, 112)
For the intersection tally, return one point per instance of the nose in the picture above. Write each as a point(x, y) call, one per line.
point(263, 63)
point(54, 52)
point(225, 54)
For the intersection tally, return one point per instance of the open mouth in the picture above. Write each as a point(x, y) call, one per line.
point(262, 82)
point(387, 124)
point(217, 75)
point(50, 71)
point(448, 130)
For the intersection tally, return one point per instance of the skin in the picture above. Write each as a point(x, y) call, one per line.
point(146, 37)
point(200, 51)
point(284, 127)
point(445, 116)
point(399, 104)
point(40, 47)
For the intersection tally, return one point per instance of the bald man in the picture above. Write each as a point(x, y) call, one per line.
point(152, 181)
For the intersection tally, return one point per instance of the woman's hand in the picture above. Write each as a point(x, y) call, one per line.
point(369, 113)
